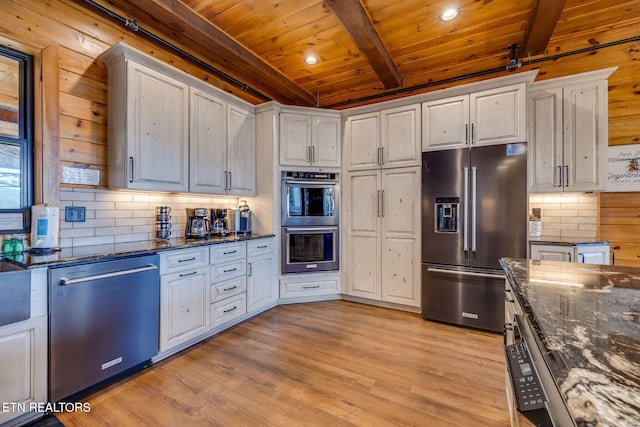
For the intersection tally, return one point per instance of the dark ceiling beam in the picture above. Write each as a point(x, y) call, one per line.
point(541, 25)
point(357, 23)
point(175, 21)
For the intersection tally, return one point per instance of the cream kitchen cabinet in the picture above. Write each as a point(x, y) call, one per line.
point(169, 131)
point(382, 236)
point(569, 133)
point(148, 128)
point(222, 146)
point(229, 280)
point(23, 358)
point(586, 253)
point(488, 117)
point(385, 139)
point(262, 286)
point(310, 139)
point(184, 296)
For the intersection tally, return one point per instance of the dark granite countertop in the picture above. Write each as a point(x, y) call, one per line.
point(104, 252)
point(587, 319)
point(567, 242)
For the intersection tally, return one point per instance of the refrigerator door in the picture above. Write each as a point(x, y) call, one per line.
point(498, 219)
point(444, 206)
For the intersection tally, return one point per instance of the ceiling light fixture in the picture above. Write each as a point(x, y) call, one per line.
point(449, 14)
point(310, 60)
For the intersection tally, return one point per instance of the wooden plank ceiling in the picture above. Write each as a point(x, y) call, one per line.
point(366, 48)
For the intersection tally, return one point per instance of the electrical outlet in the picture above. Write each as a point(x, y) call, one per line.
point(74, 213)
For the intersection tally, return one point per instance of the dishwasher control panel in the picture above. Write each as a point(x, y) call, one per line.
point(526, 384)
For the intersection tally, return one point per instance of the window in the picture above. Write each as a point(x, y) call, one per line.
point(16, 140)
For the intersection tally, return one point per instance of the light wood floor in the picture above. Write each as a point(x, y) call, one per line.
point(331, 363)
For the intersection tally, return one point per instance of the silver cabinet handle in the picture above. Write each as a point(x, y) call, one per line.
point(559, 176)
point(230, 270)
point(466, 209)
point(378, 203)
point(230, 181)
point(382, 204)
point(230, 289)
point(187, 259)
point(311, 287)
point(250, 270)
point(235, 307)
point(262, 247)
point(131, 169)
point(64, 281)
point(465, 273)
point(474, 210)
point(313, 154)
point(473, 133)
point(466, 134)
point(566, 176)
point(193, 273)
point(229, 253)
point(379, 157)
point(382, 156)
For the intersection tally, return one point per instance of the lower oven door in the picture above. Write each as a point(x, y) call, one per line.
point(309, 249)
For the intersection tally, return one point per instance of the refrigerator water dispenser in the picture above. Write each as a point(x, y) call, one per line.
point(446, 214)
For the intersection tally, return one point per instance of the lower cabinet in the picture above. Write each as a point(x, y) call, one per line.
point(589, 253)
point(262, 289)
point(184, 296)
point(304, 287)
point(228, 282)
point(23, 371)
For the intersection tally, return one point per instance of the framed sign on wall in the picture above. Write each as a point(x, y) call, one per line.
point(623, 166)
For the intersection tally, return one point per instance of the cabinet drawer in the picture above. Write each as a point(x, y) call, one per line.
point(308, 287)
point(227, 251)
point(184, 258)
point(228, 288)
point(228, 309)
point(228, 271)
point(259, 247)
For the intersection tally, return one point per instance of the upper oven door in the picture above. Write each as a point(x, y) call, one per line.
point(306, 203)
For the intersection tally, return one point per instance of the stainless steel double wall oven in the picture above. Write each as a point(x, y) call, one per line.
point(310, 221)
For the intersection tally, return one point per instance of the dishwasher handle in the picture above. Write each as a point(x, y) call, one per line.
point(65, 282)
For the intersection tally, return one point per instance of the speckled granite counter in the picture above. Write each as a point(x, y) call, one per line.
point(103, 252)
point(587, 322)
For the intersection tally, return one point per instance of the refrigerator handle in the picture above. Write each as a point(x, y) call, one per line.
point(474, 210)
point(465, 235)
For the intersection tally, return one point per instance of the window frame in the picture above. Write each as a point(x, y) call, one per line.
point(24, 139)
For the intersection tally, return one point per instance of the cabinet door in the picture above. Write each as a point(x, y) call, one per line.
point(445, 123)
point(208, 143)
point(261, 283)
point(158, 130)
point(401, 255)
point(362, 259)
point(23, 371)
point(325, 141)
point(295, 139)
point(362, 140)
point(241, 151)
point(498, 116)
point(184, 306)
point(552, 253)
point(585, 136)
point(545, 147)
point(400, 136)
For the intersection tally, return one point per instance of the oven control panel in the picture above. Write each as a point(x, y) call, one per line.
point(526, 384)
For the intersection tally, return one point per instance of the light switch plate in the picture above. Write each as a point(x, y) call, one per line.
point(74, 213)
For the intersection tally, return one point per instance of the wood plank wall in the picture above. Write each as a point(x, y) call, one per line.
point(80, 36)
point(619, 223)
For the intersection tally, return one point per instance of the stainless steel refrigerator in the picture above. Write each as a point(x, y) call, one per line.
point(474, 211)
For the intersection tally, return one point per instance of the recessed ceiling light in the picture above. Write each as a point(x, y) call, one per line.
point(449, 14)
point(310, 60)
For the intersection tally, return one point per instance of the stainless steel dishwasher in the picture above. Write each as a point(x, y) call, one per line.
point(103, 322)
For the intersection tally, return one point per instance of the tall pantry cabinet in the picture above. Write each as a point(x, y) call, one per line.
point(381, 190)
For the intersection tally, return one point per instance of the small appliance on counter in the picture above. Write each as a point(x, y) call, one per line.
point(219, 222)
point(242, 219)
point(45, 229)
point(198, 225)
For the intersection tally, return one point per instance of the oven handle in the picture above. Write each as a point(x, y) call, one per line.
point(309, 229)
point(64, 281)
point(313, 183)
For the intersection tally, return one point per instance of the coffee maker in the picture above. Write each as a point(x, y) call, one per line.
point(198, 225)
point(219, 222)
point(242, 219)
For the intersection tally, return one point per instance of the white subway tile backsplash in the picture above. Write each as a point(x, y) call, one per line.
point(127, 216)
point(566, 216)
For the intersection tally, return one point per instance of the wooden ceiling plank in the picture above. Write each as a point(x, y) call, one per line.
point(190, 25)
point(357, 23)
point(541, 26)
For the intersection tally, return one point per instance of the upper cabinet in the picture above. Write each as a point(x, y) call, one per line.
point(385, 139)
point(171, 132)
point(308, 139)
point(488, 117)
point(569, 133)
